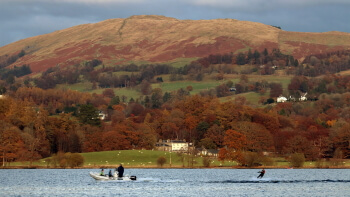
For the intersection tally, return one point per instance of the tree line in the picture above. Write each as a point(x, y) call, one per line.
point(40, 121)
point(317, 129)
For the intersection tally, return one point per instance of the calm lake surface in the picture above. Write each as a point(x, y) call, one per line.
point(177, 182)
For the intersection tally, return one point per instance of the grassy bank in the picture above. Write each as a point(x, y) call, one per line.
point(148, 159)
point(135, 159)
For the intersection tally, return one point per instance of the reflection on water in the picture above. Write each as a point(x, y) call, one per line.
point(177, 182)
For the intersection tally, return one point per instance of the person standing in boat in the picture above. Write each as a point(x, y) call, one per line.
point(120, 170)
point(262, 172)
point(102, 173)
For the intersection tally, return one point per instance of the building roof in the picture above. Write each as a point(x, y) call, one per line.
point(162, 144)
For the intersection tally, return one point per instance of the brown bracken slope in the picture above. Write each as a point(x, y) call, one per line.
point(160, 39)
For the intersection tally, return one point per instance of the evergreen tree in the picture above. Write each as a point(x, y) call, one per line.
point(291, 60)
point(265, 52)
point(202, 128)
point(155, 100)
point(22, 53)
point(166, 97)
point(88, 114)
point(256, 55)
point(240, 59)
point(2, 90)
point(10, 79)
point(115, 100)
point(296, 63)
point(249, 55)
point(147, 102)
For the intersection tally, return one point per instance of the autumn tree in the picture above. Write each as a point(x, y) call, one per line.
point(161, 161)
point(297, 160)
point(169, 130)
point(11, 144)
point(146, 87)
point(190, 123)
point(64, 134)
point(148, 137)
point(108, 93)
point(216, 134)
point(276, 89)
point(222, 90)
point(298, 84)
point(268, 120)
point(189, 88)
point(301, 145)
point(236, 143)
point(340, 138)
point(113, 140)
point(223, 154)
point(134, 109)
point(74, 160)
point(259, 139)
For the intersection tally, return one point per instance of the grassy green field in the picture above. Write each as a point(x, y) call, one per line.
point(284, 80)
point(139, 158)
point(128, 92)
point(198, 86)
point(133, 158)
point(81, 87)
point(252, 97)
point(148, 159)
point(121, 73)
point(180, 62)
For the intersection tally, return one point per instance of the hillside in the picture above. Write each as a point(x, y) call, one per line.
point(163, 39)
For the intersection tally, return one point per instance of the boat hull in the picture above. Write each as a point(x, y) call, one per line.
point(98, 177)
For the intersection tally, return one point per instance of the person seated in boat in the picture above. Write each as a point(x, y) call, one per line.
point(110, 174)
point(262, 172)
point(120, 170)
point(102, 173)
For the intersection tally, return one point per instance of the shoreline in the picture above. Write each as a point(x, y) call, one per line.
point(176, 167)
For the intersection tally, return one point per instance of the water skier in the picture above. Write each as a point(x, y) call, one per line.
point(262, 172)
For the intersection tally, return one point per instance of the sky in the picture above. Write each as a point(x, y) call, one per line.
point(21, 19)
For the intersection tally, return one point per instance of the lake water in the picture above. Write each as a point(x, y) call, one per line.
point(177, 182)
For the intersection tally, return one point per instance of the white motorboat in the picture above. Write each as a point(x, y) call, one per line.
point(97, 176)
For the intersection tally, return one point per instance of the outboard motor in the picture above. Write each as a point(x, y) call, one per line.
point(133, 178)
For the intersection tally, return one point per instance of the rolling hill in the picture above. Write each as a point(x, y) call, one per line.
point(150, 38)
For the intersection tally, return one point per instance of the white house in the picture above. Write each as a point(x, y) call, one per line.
point(163, 146)
point(291, 98)
point(303, 97)
point(178, 145)
point(207, 152)
point(173, 145)
point(102, 115)
point(232, 89)
point(281, 99)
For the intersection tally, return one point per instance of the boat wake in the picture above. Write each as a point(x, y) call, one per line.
point(281, 181)
point(151, 180)
point(157, 180)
